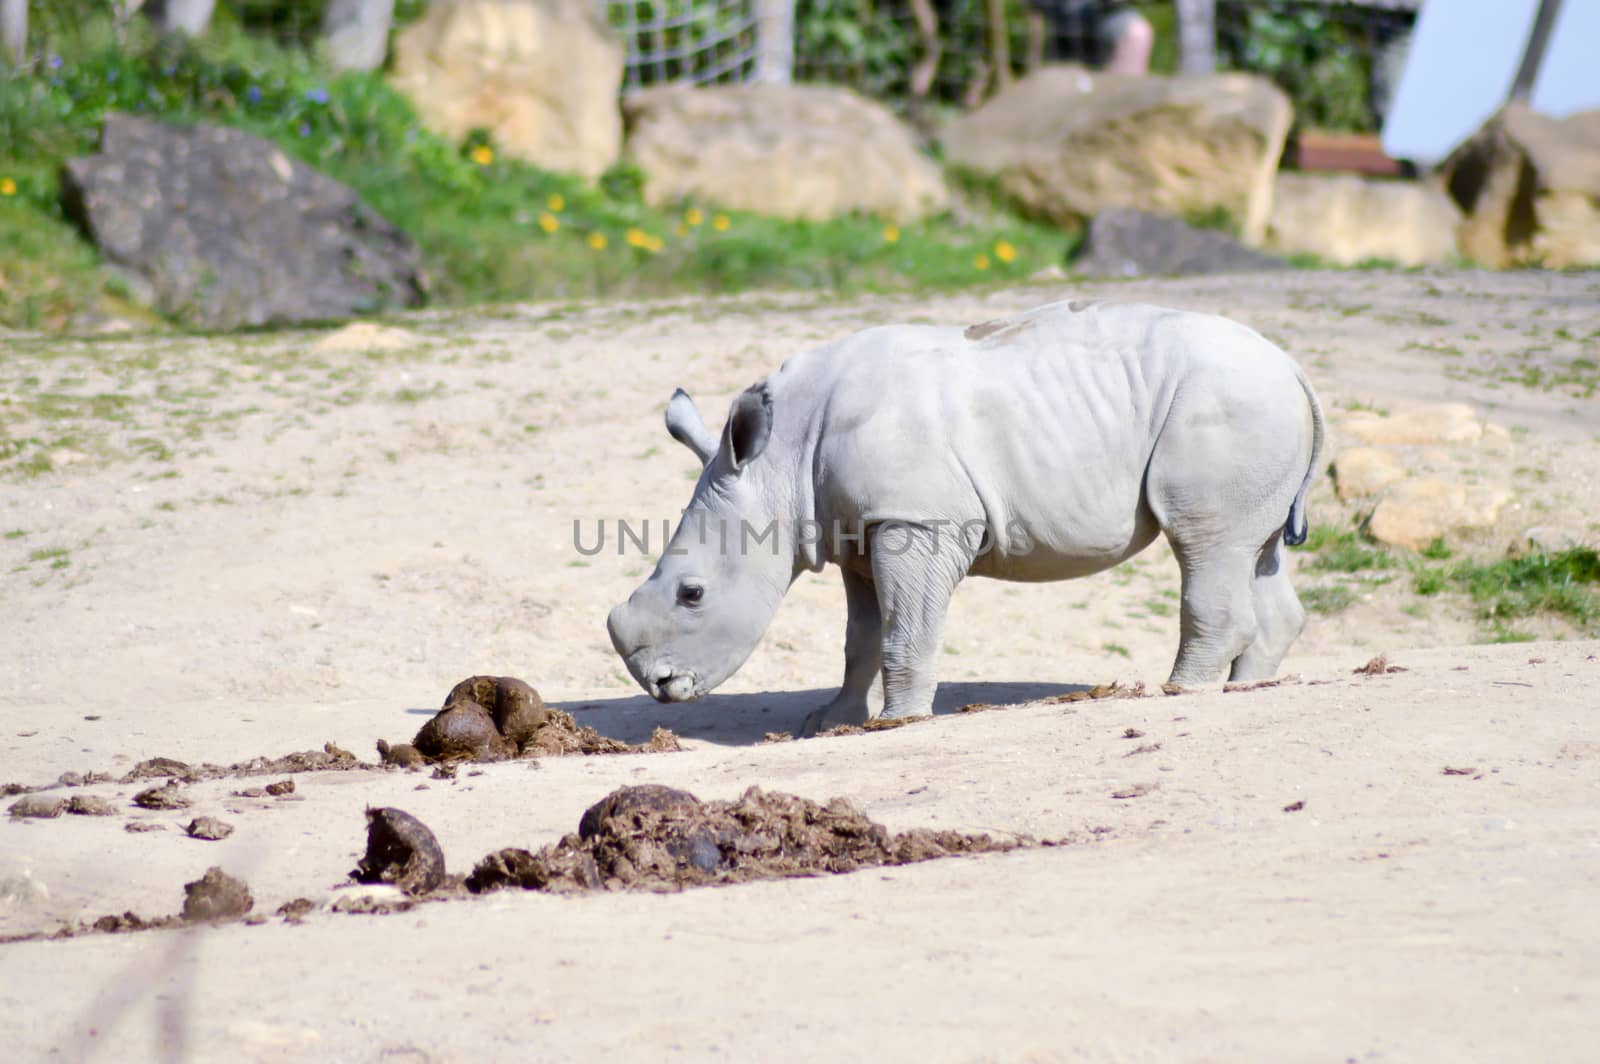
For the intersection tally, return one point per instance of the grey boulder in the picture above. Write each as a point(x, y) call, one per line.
point(222, 229)
point(1123, 242)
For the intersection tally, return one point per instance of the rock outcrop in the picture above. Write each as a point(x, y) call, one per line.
point(1066, 144)
point(1529, 187)
point(541, 76)
point(222, 229)
point(1122, 242)
point(1345, 219)
point(790, 151)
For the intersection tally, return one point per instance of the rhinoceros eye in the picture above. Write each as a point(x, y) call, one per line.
point(690, 594)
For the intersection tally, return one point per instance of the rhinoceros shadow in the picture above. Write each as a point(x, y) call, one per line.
point(742, 720)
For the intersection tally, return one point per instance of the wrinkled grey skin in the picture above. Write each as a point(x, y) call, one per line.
point(1074, 433)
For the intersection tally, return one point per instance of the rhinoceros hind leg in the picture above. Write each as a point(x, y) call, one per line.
point(1279, 617)
point(863, 659)
point(1217, 613)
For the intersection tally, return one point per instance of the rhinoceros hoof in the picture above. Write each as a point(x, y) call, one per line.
point(832, 715)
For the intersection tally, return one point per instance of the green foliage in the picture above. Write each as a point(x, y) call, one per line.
point(1334, 598)
point(1565, 583)
point(490, 227)
point(1321, 60)
point(1344, 551)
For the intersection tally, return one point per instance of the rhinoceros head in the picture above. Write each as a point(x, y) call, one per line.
point(720, 579)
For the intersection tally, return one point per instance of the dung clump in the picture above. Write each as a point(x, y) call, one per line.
point(208, 828)
point(216, 896)
point(37, 807)
point(494, 718)
point(402, 851)
point(91, 805)
point(659, 838)
point(170, 795)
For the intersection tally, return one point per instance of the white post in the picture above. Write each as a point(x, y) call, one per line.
point(14, 30)
point(181, 16)
point(774, 42)
point(1197, 36)
point(355, 33)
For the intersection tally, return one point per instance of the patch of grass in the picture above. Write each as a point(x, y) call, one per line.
point(1116, 648)
point(1566, 584)
point(490, 227)
point(1334, 598)
point(1337, 550)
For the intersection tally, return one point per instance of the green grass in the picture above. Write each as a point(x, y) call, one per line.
point(1566, 584)
point(491, 228)
point(1334, 598)
point(1345, 551)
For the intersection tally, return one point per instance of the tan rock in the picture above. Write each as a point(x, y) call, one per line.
point(1434, 423)
point(1347, 219)
point(362, 337)
point(790, 151)
point(1416, 512)
point(1530, 187)
point(1363, 471)
point(541, 75)
point(1065, 143)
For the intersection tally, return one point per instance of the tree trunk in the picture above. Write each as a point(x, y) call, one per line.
point(180, 16)
point(14, 31)
point(1197, 36)
point(999, 43)
point(355, 33)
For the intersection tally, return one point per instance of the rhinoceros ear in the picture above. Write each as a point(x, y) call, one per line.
point(749, 426)
point(689, 428)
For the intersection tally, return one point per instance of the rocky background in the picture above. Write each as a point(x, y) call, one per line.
point(220, 229)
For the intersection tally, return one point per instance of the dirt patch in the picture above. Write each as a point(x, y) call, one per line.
point(401, 851)
point(496, 718)
point(1099, 691)
point(661, 839)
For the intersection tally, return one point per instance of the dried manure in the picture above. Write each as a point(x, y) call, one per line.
point(661, 839)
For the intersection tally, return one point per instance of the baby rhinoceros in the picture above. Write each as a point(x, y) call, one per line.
point(1046, 446)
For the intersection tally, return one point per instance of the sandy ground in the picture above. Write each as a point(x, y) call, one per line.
point(245, 546)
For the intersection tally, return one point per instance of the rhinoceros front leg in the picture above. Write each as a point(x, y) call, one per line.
point(916, 570)
point(863, 657)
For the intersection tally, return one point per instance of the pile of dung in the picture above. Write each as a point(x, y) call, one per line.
point(401, 851)
point(496, 718)
point(330, 758)
point(661, 839)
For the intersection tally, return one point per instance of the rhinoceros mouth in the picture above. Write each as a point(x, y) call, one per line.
point(674, 687)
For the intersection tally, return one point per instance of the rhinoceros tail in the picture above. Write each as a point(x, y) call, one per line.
point(1296, 528)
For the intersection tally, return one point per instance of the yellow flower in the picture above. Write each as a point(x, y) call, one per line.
point(654, 245)
point(483, 155)
point(556, 202)
point(720, 223)
point(638, 238)
point(597, 241)
point(891, 234)
point(8, 187)
point(693, 216)
point(1004, 251)
point(981, 262)
point(548, 223)
point(680, 230)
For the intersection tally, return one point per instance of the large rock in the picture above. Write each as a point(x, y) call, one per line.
point(1416, 512)
point(1530, 188)
point(1430, 423)
point(1346, 219)
point(1066, 143)
point(1122, 242)
point(225, 230)
point(1363, 471)
point(791, 151)
point(541, 76)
